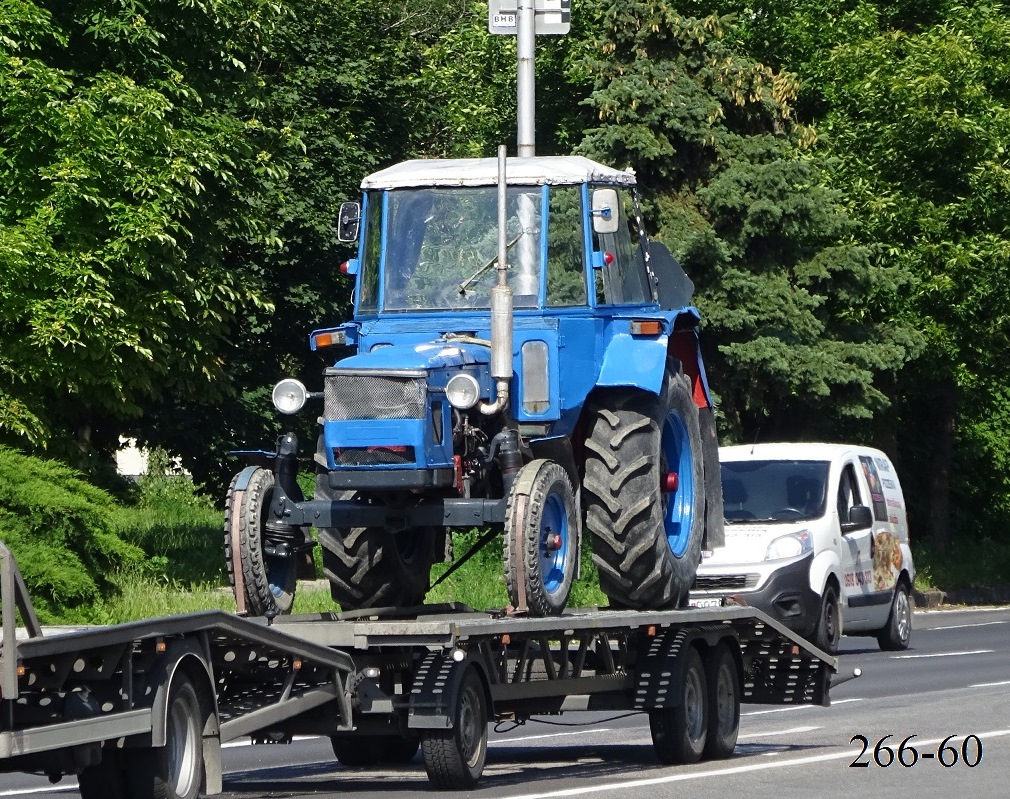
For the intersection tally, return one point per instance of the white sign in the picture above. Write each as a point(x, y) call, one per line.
point(553, 17)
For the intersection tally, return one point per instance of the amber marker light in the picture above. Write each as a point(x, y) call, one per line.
point(646, 327)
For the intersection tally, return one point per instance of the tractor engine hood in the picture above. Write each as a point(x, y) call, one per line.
point(428, 357)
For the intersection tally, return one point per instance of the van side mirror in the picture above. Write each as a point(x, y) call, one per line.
point(860, 517)
point(349, 222)
point(606, 218)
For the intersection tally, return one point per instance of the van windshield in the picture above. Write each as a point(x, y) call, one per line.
point(774, 491)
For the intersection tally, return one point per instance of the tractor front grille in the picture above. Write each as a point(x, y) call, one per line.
point(726, 582)
point(373, 456)
point(360, 395)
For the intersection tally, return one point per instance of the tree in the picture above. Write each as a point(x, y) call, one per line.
point(785, 290)
point(922, 118)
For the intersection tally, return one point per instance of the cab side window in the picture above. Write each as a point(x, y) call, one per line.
point(624, 279)
point(848, 493)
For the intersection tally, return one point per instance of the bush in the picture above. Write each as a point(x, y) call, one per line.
point(59, 528)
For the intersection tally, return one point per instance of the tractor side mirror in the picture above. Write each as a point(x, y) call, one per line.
point(860, 517)
point(606, 218)
point(349, 222)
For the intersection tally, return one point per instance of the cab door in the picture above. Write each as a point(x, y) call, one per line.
point(856, 544)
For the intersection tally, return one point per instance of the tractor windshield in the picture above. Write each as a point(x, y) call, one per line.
point(439, 247)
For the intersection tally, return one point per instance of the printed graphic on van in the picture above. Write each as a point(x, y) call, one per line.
point(887, 560)
point(876, 489)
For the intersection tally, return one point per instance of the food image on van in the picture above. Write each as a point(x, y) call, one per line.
point(817, 538)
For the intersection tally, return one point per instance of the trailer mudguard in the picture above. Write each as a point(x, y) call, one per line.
point(660, 670)
point(193, 655)
point(436, 688)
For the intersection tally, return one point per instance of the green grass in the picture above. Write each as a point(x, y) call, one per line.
point(982, 563)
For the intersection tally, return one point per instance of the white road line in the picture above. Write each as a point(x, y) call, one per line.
point(499, 742)
point(962, 626)
point(789, 708)
point(989, 684)
point(700, 775)
point(945, 654)
point(49, 789)
point(779, 732)
point(248, 741)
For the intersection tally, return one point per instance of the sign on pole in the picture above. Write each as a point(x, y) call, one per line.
point(553, 17)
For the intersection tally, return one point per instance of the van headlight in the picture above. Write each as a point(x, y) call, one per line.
point(289, 396)
point(790, 546)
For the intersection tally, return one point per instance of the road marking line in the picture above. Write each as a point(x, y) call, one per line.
point(798, 707)
point(962, 626)
point(50, 789)
point(548, 735)
point(248, 741)
point(945, 654)
point(796, 761)
point(989, 684)
point(779, 732)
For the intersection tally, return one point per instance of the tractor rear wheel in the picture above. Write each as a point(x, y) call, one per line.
point(371, 567)
point(645, 493)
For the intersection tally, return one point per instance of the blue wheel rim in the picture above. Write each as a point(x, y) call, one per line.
point(678, 506)
point(554, 562)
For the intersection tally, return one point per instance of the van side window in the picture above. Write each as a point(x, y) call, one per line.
point(848, 493)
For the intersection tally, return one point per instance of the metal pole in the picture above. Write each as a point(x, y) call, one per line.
point(526, 77)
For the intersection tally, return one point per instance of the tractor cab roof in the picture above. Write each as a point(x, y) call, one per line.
point(538, 171)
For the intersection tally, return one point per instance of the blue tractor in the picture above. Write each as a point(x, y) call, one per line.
point(522, 359)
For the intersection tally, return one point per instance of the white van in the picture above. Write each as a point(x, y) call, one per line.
point(817, 537)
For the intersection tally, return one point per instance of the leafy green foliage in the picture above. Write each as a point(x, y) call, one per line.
point(781, 283)
point(60, 530)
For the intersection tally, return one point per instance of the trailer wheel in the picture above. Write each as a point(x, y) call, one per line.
point(679, 734)
point(723, 704)
point(540, 546)
point(363, 751)
point(268, 582)
point(371, 567)
point(896, 635)
point(454, 759)
point(175, 770)
point(106, 780)
point(645, 493)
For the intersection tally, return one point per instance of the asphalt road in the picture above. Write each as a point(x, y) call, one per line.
point(953, 681)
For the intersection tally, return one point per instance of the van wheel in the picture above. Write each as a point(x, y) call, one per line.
point(829, 623)
point(895, 636)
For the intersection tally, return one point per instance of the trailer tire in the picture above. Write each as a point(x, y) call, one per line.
point(106, 780)
point(269, 583)
point(371, 567)
point(647, 541)
point(680, 733)
point(454, 759)
point(723, 704)
point(539, 572)
point(175, 770)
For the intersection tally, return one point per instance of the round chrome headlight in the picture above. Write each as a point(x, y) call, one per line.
point(289, 396)
point(462, 391)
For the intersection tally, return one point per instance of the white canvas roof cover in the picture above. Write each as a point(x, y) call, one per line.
point(537, 171)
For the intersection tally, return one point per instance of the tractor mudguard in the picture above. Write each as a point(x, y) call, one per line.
point(634, 361)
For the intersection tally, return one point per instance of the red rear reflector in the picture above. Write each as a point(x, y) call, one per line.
point(608, 258)
point(646, 327)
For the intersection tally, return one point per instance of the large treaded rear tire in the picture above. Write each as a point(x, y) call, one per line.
point(646, 543)
point(371, 567)
point(269, 583)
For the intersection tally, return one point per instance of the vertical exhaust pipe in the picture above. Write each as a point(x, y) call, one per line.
point(501, 306)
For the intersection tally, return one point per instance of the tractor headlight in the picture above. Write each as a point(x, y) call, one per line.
point(289, 396)
point(790, 546)
point(462, 391)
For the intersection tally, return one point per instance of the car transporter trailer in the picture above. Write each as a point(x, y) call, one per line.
point(141, 709)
